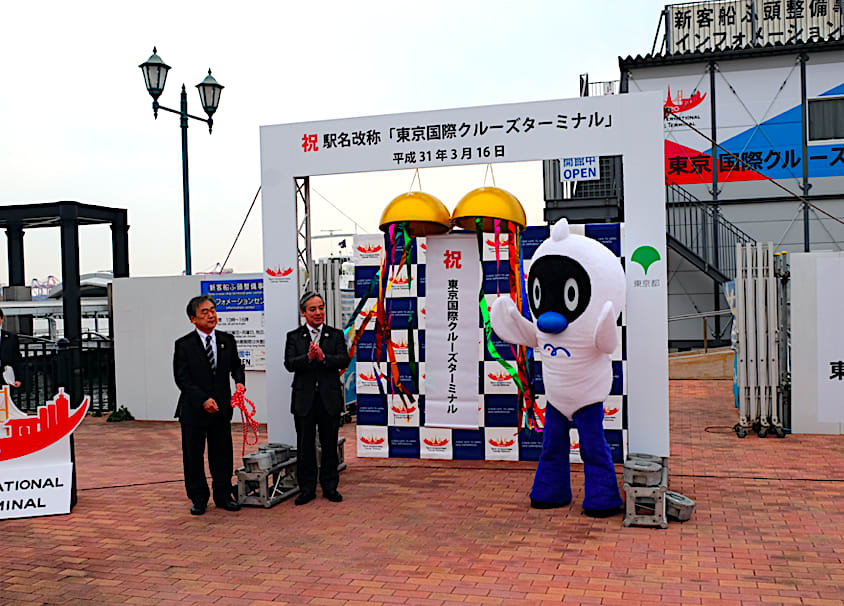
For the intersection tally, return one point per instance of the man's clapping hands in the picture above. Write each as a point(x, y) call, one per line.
point(315, 352)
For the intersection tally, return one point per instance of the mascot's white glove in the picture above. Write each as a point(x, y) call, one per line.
point(510, 325)
point(606, 335)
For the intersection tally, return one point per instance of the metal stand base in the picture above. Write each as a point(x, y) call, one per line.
point(268, 487)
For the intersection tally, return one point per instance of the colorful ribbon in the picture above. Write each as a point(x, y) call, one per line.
point(239, 400)
point(485, 313)
point(383, 332)
point(529, 413)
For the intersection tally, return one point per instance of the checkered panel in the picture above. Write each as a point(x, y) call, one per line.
point(387, 426)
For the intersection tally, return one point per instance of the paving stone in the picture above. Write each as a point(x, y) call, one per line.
point(768, 528)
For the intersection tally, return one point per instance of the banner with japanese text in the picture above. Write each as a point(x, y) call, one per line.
point(240, 311)
point(758, 128)
point(453, 284)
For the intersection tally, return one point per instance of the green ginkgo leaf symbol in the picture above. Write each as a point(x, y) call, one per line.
point(645, 256)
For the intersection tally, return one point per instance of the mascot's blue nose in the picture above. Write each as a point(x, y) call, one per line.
point(552, 322)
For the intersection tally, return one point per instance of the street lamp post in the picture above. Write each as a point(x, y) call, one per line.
point(155, 75)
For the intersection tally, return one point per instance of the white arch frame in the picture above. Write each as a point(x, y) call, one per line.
point(629, 125)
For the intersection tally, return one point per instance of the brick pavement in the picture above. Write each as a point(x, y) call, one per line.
point(768, 529)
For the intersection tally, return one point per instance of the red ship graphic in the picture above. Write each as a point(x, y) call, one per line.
point(400, 345)
point(278, 272)
point(423, 246)
point(682, 104)
point(368, 314)
point(53, 422)
point(369, 249)
point(369, 377)
point(610, 411)
point(501, 242)
point(404, 411)
point(372, 441)
point(575, 445)
point(500, 377)
point(436, 442)
point(502, 443)
point(423, 311)
point(399, 281)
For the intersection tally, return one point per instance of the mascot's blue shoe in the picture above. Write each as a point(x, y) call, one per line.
point(552, 483)
point(602, 497)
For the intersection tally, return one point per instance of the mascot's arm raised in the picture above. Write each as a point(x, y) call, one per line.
point(606, 335)
point(510, 325)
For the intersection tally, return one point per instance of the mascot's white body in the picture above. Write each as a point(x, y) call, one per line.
point(576, 290)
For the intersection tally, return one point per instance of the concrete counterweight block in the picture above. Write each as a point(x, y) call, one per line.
point(678, 507)
point(645, 484)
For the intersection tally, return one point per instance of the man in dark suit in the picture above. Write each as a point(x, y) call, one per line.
point(316, 353)
point(203, 361)
point(10, 354)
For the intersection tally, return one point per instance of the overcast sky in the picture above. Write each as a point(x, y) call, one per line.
point(77, 122)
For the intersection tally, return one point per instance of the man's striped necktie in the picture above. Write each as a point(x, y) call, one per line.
point(209, 351)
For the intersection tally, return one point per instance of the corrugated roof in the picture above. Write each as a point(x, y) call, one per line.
point(750, 50)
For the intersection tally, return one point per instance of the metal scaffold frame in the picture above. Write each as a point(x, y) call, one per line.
point(304, 233)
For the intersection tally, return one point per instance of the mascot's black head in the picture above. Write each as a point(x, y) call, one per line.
point(559, 291)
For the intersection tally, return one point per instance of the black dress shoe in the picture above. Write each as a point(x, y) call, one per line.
point(304, 497)
point(228, 505)
point(333, 496)
point(198, 508)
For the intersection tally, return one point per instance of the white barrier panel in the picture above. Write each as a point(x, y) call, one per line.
point(817, 343)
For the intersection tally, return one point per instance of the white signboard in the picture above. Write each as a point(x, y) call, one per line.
point(581, 168)
point(35, 491)
point(830, 377)
point(35, 467)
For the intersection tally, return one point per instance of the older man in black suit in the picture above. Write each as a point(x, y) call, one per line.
point(203, 361)
point(10, 354)
point(316, 353)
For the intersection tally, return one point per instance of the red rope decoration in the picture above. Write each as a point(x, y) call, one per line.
point(239, 400)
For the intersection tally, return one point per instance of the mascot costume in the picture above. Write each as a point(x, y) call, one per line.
point(576, 289)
